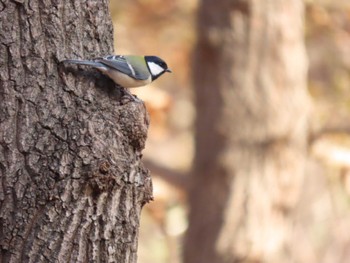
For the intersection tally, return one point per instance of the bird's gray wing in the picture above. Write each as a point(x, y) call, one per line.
point(121, 64)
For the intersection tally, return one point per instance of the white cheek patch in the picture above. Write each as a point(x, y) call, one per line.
point(155, 69)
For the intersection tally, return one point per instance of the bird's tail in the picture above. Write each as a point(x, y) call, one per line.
point(83, 62)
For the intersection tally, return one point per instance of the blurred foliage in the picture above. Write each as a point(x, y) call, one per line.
point(167, 29)
point(327, 40)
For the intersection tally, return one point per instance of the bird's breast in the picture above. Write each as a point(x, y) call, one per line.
point(125, 80)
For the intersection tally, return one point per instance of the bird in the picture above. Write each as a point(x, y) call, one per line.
point(127, 71)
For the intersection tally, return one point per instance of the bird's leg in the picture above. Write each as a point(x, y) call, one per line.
point(128, 93)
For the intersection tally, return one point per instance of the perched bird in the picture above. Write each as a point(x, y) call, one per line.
point(127, 71)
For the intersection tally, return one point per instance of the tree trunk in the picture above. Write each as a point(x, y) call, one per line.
point(72, 184)
point(251, 129)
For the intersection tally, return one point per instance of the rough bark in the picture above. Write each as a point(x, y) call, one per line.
point(251, 128)
point(72, 184)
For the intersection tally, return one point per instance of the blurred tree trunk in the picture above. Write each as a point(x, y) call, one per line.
point(72, 184)
point(251, 129)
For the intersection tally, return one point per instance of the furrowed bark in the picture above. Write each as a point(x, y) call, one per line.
point(72, 182)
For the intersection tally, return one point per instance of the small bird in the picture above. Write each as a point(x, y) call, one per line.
point(128, 71)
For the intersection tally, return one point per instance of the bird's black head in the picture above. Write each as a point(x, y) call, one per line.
point(156, 66)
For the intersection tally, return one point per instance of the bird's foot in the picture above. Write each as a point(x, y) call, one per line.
point(128, 97)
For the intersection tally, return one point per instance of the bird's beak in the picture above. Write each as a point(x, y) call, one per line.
point(168, 70)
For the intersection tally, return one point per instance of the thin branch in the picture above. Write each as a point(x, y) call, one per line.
point(173, 177)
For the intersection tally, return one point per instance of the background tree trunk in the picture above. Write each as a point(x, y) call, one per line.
point(251, 129)
point(72, 184)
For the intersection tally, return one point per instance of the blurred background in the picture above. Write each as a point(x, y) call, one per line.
point(321, 218)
